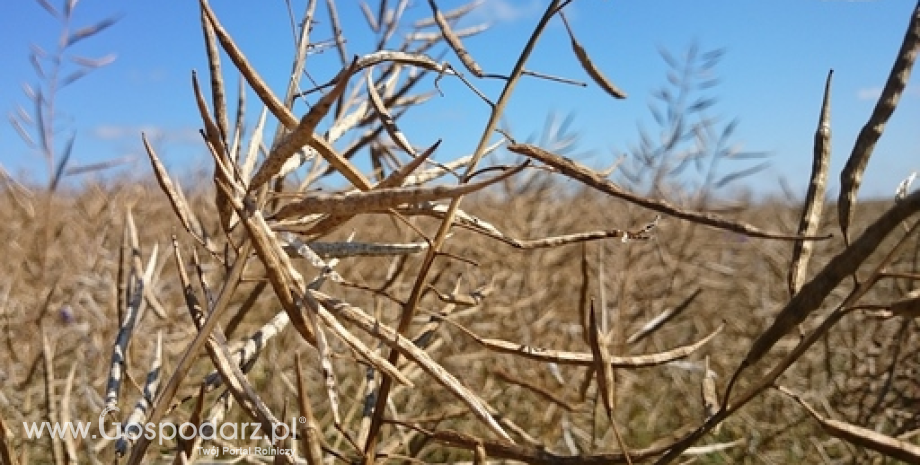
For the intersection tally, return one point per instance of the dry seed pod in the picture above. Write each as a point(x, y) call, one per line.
point(657, 322)
point(851, 175)
point(389, 123)
point(479, 454)
point(450, 15)
point(901, 191)
point(218, 97)
point(454, 41)
point(601, 363)
point(276, 106)
point(310, 439)
point(590, 67)
point(302, 134)
point(814, 202)
point(710, 397)
point(381, 199)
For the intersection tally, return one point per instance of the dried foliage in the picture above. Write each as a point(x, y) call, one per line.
point(57, 69)
point(483, 318)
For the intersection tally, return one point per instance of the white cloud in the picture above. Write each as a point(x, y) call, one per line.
point(115, 132)
point(873, 93)
point(147, 76)
point(507, 11)
point(868, 93)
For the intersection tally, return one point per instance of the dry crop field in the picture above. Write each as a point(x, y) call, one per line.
point(510, 305)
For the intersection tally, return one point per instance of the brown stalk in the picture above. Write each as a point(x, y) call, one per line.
point(814, 200)
point(465, 300)
point(398, 177)
point(480, 457)
point(478, 225)
point(311, 434)
point(230, 371)
point(536, 455)
point(851, 175)
point(395, 100)
point(379, 363)
point(411, 306)
point(187, 449)
point(337, 31)
point(7, 453)
point(369, 16)
point(246, 355)
point(404, 346)
point(285, 279)
point(584, 290)
point(460, 33)
point(408, 58)
point(534, 387)
point(862, 437)
point(57, 449)
point(303, 46)
point(369, 137)
point(560, 79)
point(369, 391)
point(191, 353)
point(592, 179)
point(605, 377)
point(454, 301)
point(240, 387)
point(248, 164)
point(386, 19)
point(212, 132)
point(561, 357)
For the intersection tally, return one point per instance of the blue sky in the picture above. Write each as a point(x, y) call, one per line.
point(772, 76)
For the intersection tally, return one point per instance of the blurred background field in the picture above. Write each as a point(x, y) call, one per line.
point(864, 371)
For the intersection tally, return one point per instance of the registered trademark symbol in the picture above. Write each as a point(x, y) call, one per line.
point(302, 420)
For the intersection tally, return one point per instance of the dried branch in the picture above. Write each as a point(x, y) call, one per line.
point(581, 173)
